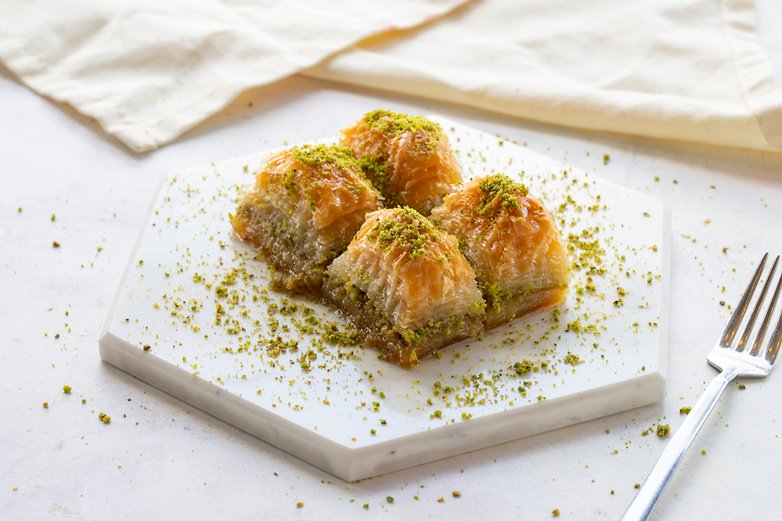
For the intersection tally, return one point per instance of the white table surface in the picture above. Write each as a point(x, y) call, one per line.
point(161, 459)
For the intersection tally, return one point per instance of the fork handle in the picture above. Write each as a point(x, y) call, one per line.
point(674, 452)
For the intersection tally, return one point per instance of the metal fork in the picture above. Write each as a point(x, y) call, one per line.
point(730, 358)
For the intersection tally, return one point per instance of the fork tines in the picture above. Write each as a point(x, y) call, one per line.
point(736, 319)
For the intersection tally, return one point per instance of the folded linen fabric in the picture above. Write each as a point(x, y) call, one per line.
point(690, 70)
point(148, 70)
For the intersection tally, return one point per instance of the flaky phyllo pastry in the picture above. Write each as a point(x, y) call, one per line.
point(407, 158)
point(406, 286)
point(307, 204)
point(513, 244)
point(346, 224)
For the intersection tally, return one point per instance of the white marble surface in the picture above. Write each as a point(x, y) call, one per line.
point(168, 461)
point(360, 417)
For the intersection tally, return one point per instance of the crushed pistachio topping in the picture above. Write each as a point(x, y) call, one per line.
point(327, 158)
point(685, 410)
point(500, 192)
point(406, 229)
point(67, 389)
point(393, 124)
point(105, 418)
point(663, 429)
point(318, 155)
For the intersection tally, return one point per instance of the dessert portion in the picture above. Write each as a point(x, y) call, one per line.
point(513, 244)
point(406, 286)
point(407, 158)
point(307, 204)
point(346, 223)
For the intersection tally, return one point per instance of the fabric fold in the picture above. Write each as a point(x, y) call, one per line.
point(147, 71)
point(688, 70)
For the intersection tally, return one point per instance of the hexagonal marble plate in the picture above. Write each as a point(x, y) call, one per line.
point(193, 317)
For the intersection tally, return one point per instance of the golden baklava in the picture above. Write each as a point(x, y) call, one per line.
point(407, 158)
point(307, 204)
point(511, 241)
point(406, 286)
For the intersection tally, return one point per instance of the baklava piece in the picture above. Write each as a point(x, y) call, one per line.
point(307, 204)
point(406, 285)
point(513, 244)
point(407, 158)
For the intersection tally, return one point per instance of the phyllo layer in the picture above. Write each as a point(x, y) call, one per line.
point(511, 241)
point(306, 206)
point(407, 158)
point(406, 285)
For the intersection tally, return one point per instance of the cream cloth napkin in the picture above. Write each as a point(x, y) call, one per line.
point(148, 70)
point(689, 70)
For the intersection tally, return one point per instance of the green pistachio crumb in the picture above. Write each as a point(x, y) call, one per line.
point(500, 192)
point(318, 155)
point(407, 229)
point(67, 389)
point(393, 124)
point(685, 410)
point(663, 429)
